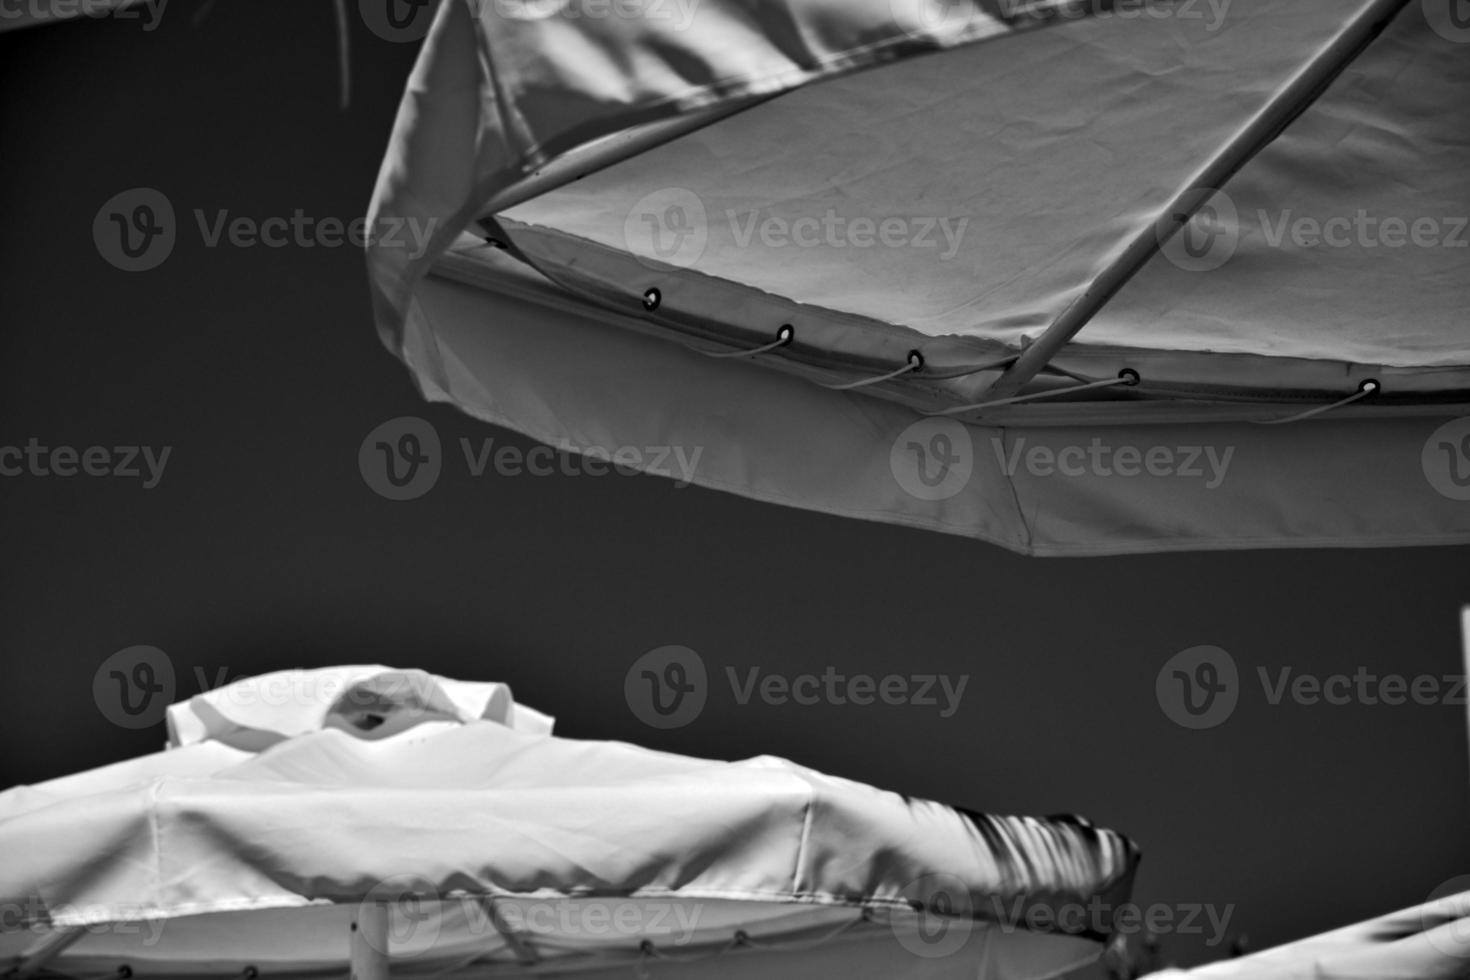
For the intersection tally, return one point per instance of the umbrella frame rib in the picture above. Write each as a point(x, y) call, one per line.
point(1295, 97)
point(35, 958)
point(608, 151)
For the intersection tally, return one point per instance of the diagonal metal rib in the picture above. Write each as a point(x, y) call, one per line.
point(1294, 98)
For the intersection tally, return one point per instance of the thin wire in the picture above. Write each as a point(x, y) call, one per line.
point(501, 239)
point(1366, 390)
point(1039, 395)
point(913, 364)
point(783, 337)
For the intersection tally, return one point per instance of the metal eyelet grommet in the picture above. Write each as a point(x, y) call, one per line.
point(916, 359)
point(1370, 387)
point(651, 300)
point(1130, 377)
point(786, 334)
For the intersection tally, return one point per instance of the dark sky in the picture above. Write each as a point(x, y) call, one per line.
point(262, 548)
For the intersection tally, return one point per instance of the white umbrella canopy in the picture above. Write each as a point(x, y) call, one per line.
point(888, 259)
point(1429, 942)
point(398, 821)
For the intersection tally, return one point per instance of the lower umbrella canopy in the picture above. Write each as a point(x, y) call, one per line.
point(1429, 942)
point(305, 822)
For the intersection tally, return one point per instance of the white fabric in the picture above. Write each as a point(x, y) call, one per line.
point(498, 94)
point(1039, 175)
point(211, 857)
point(1430, 942)
point(370, 701)
point(563, 371)
point(1054, 170)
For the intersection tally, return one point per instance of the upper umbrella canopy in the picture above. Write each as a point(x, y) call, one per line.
point(291, 804)
point(1058, 270)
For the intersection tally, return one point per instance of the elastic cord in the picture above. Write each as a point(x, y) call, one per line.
point(1367, 389)
point(784, 336)
point(1127, 377)
point(915, 362)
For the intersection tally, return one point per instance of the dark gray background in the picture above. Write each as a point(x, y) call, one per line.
point(264, 549)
